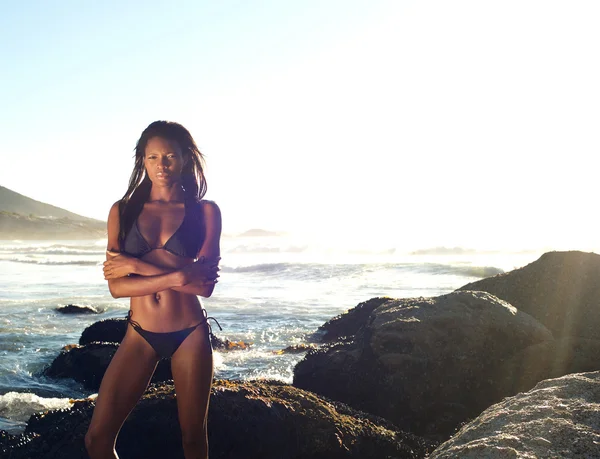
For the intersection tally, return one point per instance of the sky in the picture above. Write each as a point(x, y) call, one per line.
point(409, 123)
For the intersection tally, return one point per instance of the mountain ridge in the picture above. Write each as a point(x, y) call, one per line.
point(22, 217)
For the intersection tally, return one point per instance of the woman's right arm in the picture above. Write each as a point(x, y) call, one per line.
point(130, 286)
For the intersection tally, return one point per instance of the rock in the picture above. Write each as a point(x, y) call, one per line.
point(107, 331)
point(426, 364)
point(68, 347)
point(296, 349)
point(549, 359)
point(76, 309)
point(348, 323)
point(269, 419)
point(225, 345)
point(9, 442)
point(113, 331)
point(88, 363)
point(560, 289)
point(559, 418)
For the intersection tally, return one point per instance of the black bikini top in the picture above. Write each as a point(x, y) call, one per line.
point(186, 241)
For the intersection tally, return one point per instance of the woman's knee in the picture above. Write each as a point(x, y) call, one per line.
point(98, 442)
point(196, 440)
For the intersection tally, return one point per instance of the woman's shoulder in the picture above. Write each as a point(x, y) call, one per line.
point(114, 210)
point(208, 205)
point(208, 210)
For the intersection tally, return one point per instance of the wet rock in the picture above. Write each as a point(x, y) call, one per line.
point(77, 309)
point(270, 420)
point(348, 323)
point(226, 345)
point(426, 364)
point(549, 359)
point(560, 289)
point(296, 349)
point(9, 442)
point(107, 331)
point(88, 363)
point(559, 418)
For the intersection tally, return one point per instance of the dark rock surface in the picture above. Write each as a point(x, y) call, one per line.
point(246, 420)
point(219, 344)
point(426, 364)
point(560, 289)
point(559, 418)
point(77, 309)
point(549, 359)
point(348, 323)
point(296, 349)
point(107, 330)
point(88, 363)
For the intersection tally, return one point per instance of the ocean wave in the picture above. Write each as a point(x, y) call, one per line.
point(20, 406)
point(479, 271)
point(54, 249)
point(304, 271)
point(444, 251)
point(54, 262)
point(461, 270)
point(253, 248)
point(299, 271)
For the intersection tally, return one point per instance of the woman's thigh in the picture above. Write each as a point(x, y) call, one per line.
point(124, 382)
point(192, 368)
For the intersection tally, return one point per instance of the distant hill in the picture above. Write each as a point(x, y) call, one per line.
point(255, 232)
point(25, 218)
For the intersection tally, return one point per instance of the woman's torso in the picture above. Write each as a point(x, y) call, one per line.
point(169, 236)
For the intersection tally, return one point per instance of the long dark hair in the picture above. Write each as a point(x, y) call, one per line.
point(192, 175)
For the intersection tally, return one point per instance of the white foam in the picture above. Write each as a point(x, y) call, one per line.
point(20, 406)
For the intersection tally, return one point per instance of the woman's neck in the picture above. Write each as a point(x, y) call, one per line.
point(172, 193)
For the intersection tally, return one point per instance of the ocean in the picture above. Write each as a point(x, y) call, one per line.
point(274, 291)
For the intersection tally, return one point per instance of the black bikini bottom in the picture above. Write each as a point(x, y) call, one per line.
point(165, 344)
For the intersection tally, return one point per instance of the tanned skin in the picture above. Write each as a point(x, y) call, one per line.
point(163, 288)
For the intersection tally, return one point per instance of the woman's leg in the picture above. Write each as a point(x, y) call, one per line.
point(192, 368)
point(123, 384)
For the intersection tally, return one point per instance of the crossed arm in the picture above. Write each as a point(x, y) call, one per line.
point(129, 277)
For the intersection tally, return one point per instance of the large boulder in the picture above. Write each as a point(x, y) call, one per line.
point(107, 330)
point(88, 363)
point(559, 418)
point(346, 325)
point(270, 420)
point(77, 309)
point(560, 289)
point(426, 364)
point(549, 359)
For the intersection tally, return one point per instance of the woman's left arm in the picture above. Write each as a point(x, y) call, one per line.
point(202, 274)
point(209, 252)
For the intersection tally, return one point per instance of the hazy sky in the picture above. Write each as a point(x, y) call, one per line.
point(419, 123)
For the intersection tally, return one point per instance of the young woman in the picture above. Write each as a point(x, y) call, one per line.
point(163, 251)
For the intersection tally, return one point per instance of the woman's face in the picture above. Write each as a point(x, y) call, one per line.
point(163, 160)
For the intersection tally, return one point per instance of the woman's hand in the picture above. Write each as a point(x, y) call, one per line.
point(202, 271)
point(118, 265)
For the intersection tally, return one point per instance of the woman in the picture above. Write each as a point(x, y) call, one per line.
point(163, 250)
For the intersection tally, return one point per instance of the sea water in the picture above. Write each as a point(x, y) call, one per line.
point(274, 291)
